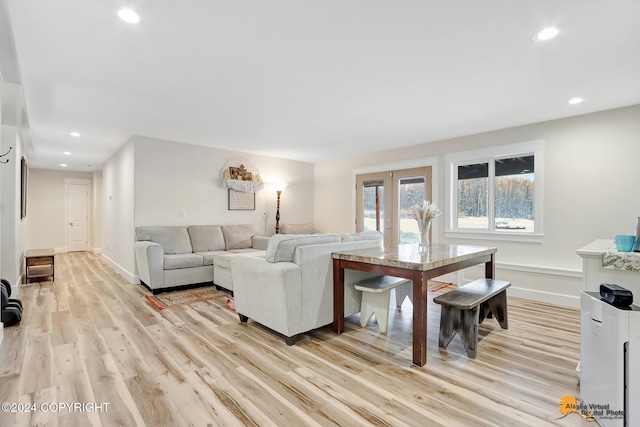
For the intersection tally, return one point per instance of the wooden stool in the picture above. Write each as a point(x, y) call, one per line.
point(376, 294)
point(464, 308)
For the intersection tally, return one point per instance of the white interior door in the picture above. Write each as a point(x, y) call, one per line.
point(78, 216)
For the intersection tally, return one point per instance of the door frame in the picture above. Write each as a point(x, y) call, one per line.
point(79, 181)
point(433, 162)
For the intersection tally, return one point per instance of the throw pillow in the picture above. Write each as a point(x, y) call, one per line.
point(239, 236)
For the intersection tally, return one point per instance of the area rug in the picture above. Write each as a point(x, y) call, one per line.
point(176, 298)
point(435, 286)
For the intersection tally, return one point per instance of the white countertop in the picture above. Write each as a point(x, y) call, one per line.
point(595, 249)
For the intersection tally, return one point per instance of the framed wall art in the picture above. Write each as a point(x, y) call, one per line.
point(241, 200)
point(23, 188)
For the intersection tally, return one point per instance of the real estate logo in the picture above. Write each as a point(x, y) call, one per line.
point(570, 404)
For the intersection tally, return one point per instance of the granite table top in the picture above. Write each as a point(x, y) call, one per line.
point(408, 256)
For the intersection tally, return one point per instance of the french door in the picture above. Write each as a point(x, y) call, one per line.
point(384, 200)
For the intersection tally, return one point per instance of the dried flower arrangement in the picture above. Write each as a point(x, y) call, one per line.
point(424, 215)
point(426, 212)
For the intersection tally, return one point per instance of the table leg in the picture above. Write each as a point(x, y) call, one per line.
point(490, 268)
point(338, 297)
point(420, 288)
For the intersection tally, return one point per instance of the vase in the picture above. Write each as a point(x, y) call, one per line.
point(423, 235)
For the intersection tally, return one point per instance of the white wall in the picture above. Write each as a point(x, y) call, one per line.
point(1, 145)
point(46, 208)
point(118, 212)
point(591, 191)
point(172, 177)
point(13, 227)
point(96, 212)
point(154, 180)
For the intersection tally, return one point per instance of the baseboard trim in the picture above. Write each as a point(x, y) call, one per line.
point(546, 297)
point(15, 292)
point(533, 294)
point(131, 278)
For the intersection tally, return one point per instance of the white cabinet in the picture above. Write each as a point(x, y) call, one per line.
point(593, 273)
point(610, 361)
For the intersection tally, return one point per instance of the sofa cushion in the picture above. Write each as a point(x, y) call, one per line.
point(174, 261)
point(282, 246)
point(365, 235)
point(223, 259)
point(174, 239)
point(297, 229)
point(260, 242)
point(246, 251)
point(208, 256)
point(206, 238)
point(238, 236)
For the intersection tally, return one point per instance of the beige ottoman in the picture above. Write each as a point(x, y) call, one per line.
point(222, 266)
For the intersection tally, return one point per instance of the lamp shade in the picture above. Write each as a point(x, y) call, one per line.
point(280, 186)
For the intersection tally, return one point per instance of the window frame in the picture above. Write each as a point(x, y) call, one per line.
point(489, 155)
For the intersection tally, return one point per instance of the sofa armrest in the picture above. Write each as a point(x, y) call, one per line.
point(150, 263)
point(260, 242)
point(268, 293)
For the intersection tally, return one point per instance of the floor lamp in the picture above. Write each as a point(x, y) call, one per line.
point(279, 189)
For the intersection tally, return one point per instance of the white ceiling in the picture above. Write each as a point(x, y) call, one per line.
point(311, 80)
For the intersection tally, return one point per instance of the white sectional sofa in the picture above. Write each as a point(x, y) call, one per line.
point(174, 256)
point(290, 289)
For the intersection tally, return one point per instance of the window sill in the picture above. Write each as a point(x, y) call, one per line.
point(488, 235)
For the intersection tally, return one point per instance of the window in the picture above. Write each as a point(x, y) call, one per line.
point(496, 192)
point(373, 206)
point(412, 192)
point(473, 196)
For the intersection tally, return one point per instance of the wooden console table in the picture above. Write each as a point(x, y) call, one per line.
point(39, 263)
point(407, 262)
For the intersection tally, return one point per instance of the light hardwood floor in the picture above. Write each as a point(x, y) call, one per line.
point(93, 337)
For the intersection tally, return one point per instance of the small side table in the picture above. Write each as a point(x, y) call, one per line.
point(39, 263)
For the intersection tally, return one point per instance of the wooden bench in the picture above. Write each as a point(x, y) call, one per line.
point(464, 308)
point(376, 294)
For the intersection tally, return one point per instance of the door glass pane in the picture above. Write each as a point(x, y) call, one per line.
point(373, 206)
point(473, 183)
point(412, 192)
point(514, 193)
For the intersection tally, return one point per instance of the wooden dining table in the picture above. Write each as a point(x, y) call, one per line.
point(409, 262)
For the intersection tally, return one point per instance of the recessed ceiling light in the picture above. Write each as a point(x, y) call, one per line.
point(576, 100)
point(76, 134)
point(64, 165)
point(66, 153)
point(128, 15)
point(546, 34)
